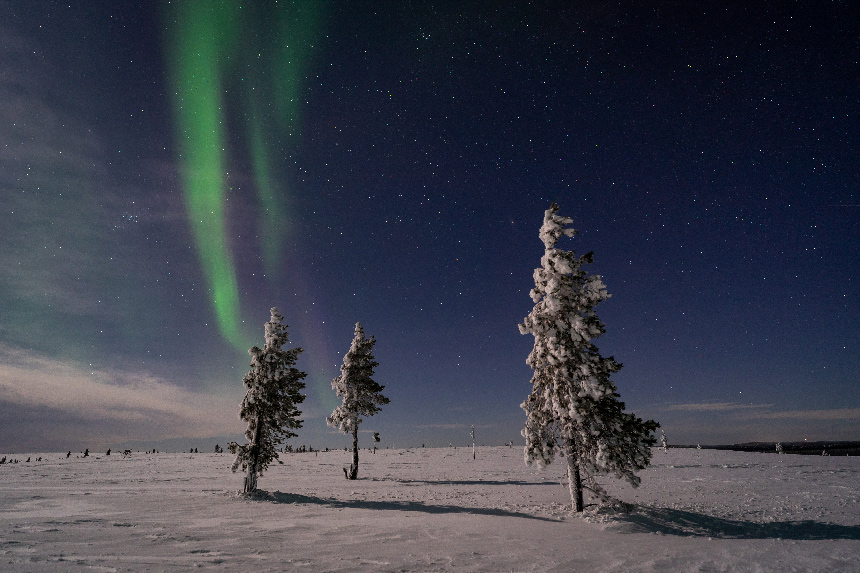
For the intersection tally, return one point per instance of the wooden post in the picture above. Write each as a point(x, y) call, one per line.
point(473, 441)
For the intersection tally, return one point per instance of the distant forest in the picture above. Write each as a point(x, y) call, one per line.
point(805, 448)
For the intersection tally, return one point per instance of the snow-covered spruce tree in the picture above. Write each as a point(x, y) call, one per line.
point(273, 392)
point(573, 404)
point(362, 396)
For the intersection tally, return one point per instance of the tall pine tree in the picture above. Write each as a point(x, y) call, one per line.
point(574, 406)
point(362, 396)
point(273, 392)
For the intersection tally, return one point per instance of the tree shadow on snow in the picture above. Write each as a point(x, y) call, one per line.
point(466, 482)
point(690, 524)
point(293, 498)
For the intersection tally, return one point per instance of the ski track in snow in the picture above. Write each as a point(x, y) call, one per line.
point(427, 510)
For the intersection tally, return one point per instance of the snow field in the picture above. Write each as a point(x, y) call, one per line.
point(427, 510)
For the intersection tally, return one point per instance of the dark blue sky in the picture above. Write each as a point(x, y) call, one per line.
point(708, 156)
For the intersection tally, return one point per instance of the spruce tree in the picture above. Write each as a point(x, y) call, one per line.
point(574, 406)
point(362, 396)
point(273, 391)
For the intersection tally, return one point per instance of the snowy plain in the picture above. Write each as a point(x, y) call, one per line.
point(432, 509)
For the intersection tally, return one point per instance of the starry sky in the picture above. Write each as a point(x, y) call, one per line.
point(170, 171)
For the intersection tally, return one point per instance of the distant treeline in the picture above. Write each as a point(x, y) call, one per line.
point(805, 448)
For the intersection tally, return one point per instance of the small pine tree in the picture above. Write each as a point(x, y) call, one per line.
point(273, 392)
point(573, 404)
point(663, 441)
point(362, 396)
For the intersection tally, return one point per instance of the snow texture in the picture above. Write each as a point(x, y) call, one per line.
point(427, 510)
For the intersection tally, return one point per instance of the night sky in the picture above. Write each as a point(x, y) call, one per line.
point(170, 171)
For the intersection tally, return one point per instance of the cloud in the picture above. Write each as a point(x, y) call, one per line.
point(73, 223)
point(744, 409)
point(126, 405)
point(835, 414)
point(730, 422)
point(453, 426)
point(49, 172)
point(715, 407)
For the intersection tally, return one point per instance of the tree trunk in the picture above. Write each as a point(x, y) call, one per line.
point(253, 456)
point(573, 478)
point(353, 469)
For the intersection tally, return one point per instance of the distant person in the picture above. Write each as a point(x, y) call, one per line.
point(108, 452)
point(69, 454)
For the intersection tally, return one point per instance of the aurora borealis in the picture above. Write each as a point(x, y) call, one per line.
point(210, 55)
point(168, 172)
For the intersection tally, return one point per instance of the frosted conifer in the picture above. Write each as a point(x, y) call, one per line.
point(664, 442)
point(273, 392)
point(573, 404)
point(362, 396)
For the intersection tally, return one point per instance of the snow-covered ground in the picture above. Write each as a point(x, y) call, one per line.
point(426, 510)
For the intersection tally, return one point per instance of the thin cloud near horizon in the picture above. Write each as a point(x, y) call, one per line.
point(821, 414)
point(714, 407)
point(138, 405)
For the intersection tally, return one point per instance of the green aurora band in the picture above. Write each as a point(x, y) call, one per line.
point(259, 53)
